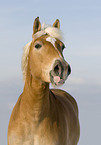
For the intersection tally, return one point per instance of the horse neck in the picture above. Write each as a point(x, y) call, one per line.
point(35, 96)
point(36, 88)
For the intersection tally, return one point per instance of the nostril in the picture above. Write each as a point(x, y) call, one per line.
point(69, 69)
point(56, 69)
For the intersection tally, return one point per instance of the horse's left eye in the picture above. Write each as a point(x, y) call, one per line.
point(63, 46)
point(38, 46)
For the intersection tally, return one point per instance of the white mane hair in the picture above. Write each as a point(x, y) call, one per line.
point(46, 29)
point(52, 31)
point(25, 59)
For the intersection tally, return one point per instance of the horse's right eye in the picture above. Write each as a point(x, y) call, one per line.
point(38, 46)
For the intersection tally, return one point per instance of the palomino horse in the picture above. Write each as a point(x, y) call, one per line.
point(42, 116)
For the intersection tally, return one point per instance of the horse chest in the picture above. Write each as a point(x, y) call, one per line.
point(32, 135)
point(24, 138)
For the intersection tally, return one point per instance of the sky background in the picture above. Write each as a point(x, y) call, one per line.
point(81, 25)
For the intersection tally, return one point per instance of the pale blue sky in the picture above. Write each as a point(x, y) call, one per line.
point(81, 25)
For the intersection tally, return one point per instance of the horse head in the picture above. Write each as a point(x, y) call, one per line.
point(43, 56)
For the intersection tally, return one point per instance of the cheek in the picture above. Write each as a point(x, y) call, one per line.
point(35, 65)
point(45, 74)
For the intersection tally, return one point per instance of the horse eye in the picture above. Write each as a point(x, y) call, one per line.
point(38, 46)
point(63, 46)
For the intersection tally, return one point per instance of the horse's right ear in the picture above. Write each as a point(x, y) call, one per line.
point(57, 24)
point(36, 25)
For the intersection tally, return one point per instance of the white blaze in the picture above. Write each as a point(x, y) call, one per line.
point(51, 40)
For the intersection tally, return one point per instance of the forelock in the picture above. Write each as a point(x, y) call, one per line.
point(50, 30)
point(54, 32)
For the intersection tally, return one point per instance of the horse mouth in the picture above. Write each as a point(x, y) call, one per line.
point(56, 80)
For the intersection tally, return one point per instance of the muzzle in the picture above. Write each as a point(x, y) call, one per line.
point(61, 70)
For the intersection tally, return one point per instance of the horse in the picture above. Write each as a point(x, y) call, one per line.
point(44, 116)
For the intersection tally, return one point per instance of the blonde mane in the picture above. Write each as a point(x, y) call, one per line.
point(25, 59)
point(46, 29)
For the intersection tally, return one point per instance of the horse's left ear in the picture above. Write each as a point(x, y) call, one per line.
point(36, 25)
point(57, 24)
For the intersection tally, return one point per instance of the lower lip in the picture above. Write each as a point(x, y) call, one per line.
point(57, 79)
